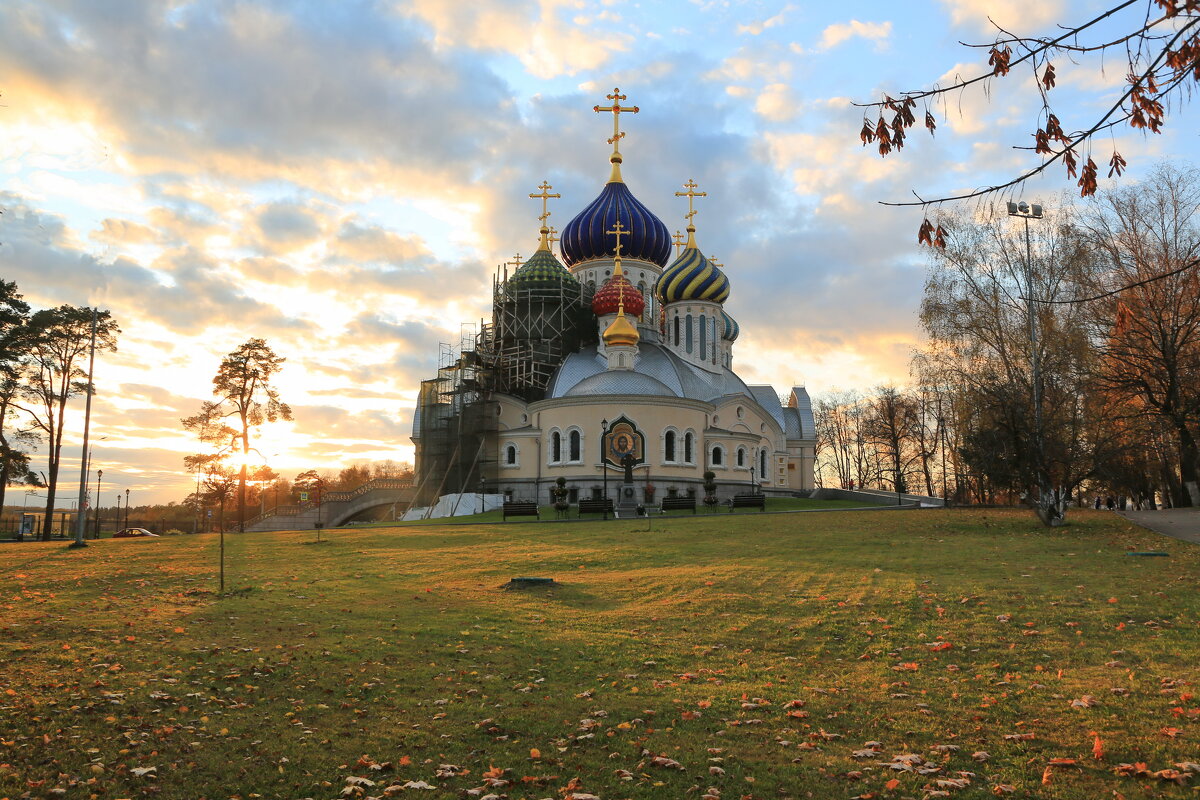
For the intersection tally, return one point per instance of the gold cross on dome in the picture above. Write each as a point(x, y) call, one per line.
point(691, 194)
point(516, 262)
point(678, 239)
point(619, 231)
point(713, 260)
point(616, 108)
point(552, 238)
point(545, 195)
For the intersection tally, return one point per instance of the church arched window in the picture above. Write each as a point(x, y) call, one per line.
point(669, 442)
point(677, 330)
point(645, 304)
point(715, 340)
point(741, 457)
point(575, 446)
point(687, 333)
point(703, 337)
point(718, 456)
point(555, 447)
point(688, 441)
point(762, 465)
point(510, 455)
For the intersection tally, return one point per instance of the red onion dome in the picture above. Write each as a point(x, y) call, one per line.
point(609, 296)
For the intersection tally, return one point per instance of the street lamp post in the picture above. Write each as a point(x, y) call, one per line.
point(85, 455)
point(99, 475)
point(753, 482)
point(604, 463)
point(1027, 212)
point(126, 525)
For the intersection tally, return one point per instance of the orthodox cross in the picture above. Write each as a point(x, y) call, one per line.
point(545, 195)
point(691, 194)
point(616, 108)
point(516, 262)
point(678, 239)
point(552, 238)
point(618, 231)
point(712, 260)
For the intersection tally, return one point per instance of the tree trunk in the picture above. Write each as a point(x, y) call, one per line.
point(51, 482)
point(1189, 458)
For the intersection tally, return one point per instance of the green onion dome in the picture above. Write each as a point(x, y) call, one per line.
point(543, 270)
point(732, 329)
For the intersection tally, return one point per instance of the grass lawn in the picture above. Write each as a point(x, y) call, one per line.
point(858, 654)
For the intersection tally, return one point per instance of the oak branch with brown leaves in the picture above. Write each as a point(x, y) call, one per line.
point(1161, 43)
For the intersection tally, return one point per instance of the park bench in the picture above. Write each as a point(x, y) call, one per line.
point(758, 501)
point(520, 509)
point(678, 504)
point(595, 506)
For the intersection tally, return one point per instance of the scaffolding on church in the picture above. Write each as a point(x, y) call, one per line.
point(535, 325)
point(457, 424)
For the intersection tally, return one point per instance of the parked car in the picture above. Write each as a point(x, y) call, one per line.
point(131, 533)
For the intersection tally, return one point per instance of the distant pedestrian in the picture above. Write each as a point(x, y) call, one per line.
point(1111, 503)
point(1097, 502)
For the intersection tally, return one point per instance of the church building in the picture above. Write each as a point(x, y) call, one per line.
point(617, 346)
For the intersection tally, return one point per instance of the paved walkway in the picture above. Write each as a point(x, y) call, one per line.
point(1178, 523)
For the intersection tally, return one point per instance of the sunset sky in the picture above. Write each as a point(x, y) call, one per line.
point(342, 178)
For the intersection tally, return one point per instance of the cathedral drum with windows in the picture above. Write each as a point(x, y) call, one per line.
point(646, 378)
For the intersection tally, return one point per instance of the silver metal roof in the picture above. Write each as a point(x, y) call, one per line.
point(802, 403)
point(621, 381)
point(664, 367)
point(792, 427)
point(766, 397)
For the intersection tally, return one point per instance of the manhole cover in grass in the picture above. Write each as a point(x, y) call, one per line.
point(529, 582)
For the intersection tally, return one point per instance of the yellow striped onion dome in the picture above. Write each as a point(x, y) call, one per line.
point(692, 277)
point(732, 329)
point(543, 270)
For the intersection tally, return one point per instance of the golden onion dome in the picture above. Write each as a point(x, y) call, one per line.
point(621, 332)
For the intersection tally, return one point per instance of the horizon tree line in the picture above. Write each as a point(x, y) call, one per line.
point(1117, 315)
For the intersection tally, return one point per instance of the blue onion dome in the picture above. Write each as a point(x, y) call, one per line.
point(543, 270)
point(732, 329)
point(692, 277)
point(587, 236)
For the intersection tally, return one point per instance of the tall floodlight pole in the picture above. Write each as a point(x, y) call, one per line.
point(126, 508)
point(84, 460)
point(1027, 212)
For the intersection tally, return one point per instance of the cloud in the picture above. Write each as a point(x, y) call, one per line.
point(777, 103)
point(298, 92)
point(758, 26)
point(286, 226)
point(547, 44)
point(120, 232)
point(1017, 16)
point(841, 32)
point(374, 243)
